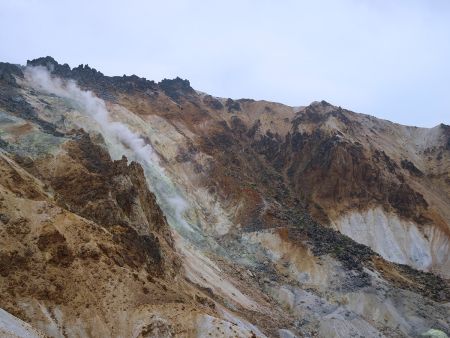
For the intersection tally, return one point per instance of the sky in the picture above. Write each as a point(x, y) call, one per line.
point(387, 58)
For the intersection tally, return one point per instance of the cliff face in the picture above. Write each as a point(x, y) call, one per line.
point(383, 185)
point(143, 209)
point(84, 243)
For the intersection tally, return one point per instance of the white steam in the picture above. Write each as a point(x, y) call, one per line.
point(117, 135)
point(95, 108)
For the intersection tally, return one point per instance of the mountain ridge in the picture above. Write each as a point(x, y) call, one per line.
point(76, 73)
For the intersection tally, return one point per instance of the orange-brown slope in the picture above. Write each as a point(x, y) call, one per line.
point(106, 267)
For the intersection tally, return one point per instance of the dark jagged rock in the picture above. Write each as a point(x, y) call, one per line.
point(7, 73)
point(408, 165)
point(237, 125)
point(90, 78)
point(446, 129)
point(212, 102)
point(381, 157)
point(245, 100)
point(47, 62)
point(177, 88)
point(254, 129)
point(232, 105)
point(138, 249)
point(55, 246)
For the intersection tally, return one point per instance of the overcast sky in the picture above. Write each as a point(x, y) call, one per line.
point(386, 58)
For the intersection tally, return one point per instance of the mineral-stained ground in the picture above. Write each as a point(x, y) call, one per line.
point(130, 208)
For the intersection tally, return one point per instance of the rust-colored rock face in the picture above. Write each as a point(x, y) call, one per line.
point(107, 192)
point(130, 208)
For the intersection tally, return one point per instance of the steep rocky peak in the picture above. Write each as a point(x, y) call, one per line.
point(177, 88)
point(46, 61)
point(323, 115)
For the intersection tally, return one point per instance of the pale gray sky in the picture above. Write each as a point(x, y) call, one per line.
point(386, 58)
